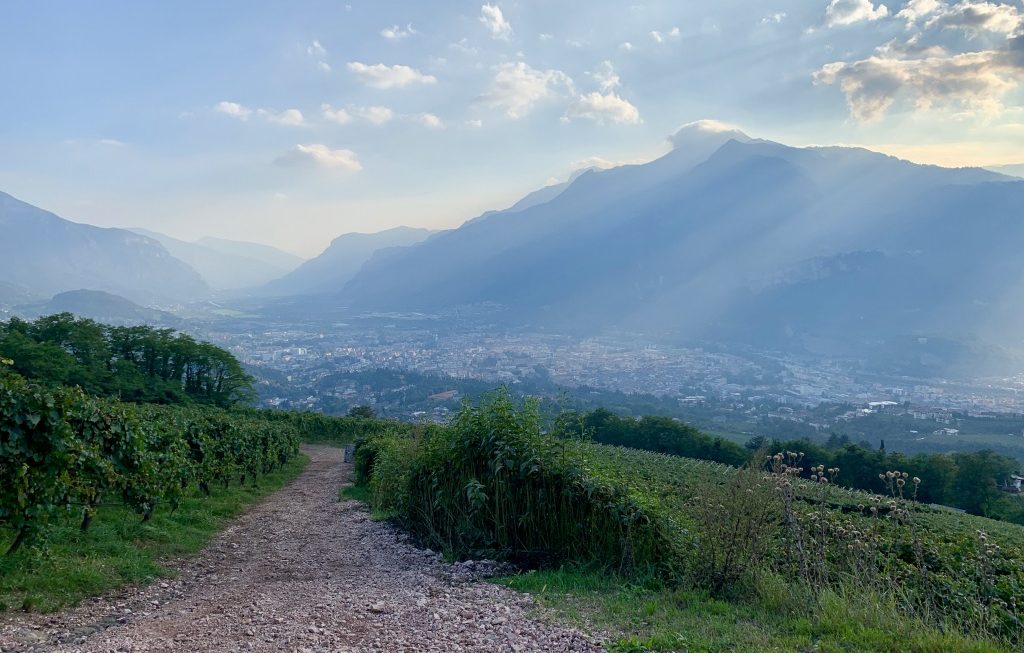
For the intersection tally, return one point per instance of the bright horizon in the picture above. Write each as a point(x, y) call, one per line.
point(252, 122)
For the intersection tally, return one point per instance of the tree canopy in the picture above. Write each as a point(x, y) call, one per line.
point(133, 363)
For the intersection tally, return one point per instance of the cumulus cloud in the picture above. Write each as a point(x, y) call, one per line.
point(848, 12)
point(429, 120)
point(626, 46)
point(376, 115)
point(916, 9)
point(396, 33)
point(288, 117)
point(517, 88)
point(384, 77)
point(494, 21)
point(602, 108)
point(324, 66)
point(606, 77)
point(974, 17)
point(927, 77)
point(774, 19)
point(233, 109)
point(673, 35)
point(320, 156)
point(339, 116)
point(316, 50)
point(684, 135)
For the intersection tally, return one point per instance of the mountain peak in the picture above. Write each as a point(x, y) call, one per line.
point(700, 132)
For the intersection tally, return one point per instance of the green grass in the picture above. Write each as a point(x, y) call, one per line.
point(119, 549)
point(635, 616)
point(355, 493)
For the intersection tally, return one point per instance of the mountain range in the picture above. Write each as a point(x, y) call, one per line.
point(342, 259)
point(228, 264)
point(42, 254)
point(737, 238)
point(831, 250)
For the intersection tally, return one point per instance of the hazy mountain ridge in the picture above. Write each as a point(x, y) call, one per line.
point(102, 307)
point(672, 246)
point(45, 254)
point(226, 264)
point(342, 259)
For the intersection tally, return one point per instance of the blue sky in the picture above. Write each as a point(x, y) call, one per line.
point(291, 123)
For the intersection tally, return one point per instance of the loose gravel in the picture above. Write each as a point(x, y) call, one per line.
point(303, 571)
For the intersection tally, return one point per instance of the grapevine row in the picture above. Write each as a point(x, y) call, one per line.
point(64, 451)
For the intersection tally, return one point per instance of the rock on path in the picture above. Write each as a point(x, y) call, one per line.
point(302, 571)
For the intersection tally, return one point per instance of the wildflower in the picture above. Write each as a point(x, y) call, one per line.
point(917, 481)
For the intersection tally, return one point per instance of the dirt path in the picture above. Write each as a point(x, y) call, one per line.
point(302, 572)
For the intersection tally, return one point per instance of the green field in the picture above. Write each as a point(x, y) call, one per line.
point(670, 553)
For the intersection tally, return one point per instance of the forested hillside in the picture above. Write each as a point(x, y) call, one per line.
point(133, 363)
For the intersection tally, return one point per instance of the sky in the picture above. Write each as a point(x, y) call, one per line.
point(292, 123)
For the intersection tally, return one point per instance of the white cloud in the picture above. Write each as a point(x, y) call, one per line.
point(931, 77)
point(111, 142)
point(288, 117)
point(474, 124)
point(429, 120)
point(626, 46)
point(316, 50)
point(384, 76)
point(603, 108)
point(916, 9)
point(606, 77)
point(848, 12)
point(774, 19)
point(324, 66)
point(374, 115)
point(546, 37)
point(464, 47)
point(494, 21)
point(673, 35)
point(339, 116)
point(396, 33)
point(974, 17)
point(233, 109)
point(517, 88)
point(321, 156)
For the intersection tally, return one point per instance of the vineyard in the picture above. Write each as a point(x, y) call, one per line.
point(66, 454)
point(492, 484)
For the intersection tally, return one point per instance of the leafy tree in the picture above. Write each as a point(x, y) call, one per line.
point(138, 364)
point(363, 412)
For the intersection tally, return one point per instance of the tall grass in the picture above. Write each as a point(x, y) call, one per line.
point(493, 484)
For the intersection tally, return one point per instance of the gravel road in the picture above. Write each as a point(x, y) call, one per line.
point(303, 572)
